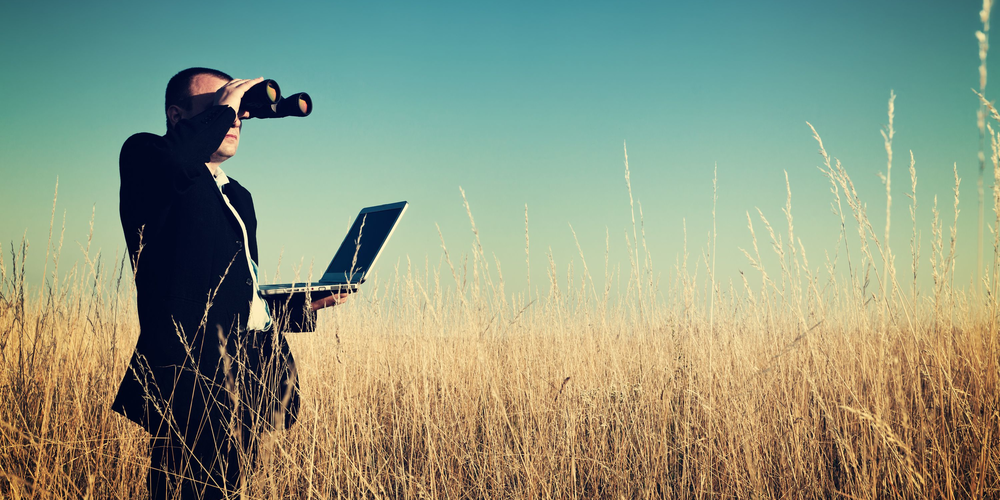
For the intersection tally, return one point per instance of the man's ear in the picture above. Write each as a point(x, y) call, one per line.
point(174, 114)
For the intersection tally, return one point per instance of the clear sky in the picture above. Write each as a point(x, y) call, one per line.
point(516, 102)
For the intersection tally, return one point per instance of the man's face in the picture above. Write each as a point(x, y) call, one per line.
point(202, 90)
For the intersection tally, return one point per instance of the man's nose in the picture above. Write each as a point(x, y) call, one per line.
point(238, 122)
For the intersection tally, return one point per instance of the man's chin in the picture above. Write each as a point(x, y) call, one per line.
point(223, 154)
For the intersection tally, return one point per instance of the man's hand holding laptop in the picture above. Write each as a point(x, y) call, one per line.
point(328, 301)
point(350, 265)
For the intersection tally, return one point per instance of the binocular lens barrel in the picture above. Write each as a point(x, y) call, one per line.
point(258, 99)
point(264, 101)
point(294, 105)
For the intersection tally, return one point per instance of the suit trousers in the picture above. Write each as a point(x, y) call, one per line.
point(210, 465)
point(208, 453)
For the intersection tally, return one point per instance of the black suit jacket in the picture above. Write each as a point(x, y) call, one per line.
point(193, 284)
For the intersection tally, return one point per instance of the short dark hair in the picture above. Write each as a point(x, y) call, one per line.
point(179, 87)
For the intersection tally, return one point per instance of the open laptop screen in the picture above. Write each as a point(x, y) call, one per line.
point(363, 243)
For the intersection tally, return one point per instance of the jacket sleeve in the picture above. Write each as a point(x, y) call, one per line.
point(160, 167)
point(156, 171)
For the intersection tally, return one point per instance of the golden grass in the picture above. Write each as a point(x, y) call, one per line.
point(810, 384)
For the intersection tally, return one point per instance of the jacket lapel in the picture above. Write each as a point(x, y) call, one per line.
point(222, 204)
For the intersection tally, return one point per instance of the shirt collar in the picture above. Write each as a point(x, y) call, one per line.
point(221, 179)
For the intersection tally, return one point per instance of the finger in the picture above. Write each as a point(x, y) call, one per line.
point(240, 88)
point(250, 83)
point(234, 82)
point(227, 87)
point(324, 302)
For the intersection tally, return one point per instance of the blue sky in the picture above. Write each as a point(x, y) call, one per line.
point(519, 103)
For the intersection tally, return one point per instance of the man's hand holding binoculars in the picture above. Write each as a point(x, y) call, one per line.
point(260, 98)
point(231, 94)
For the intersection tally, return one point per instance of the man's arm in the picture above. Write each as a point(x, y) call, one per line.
point(170, 164)
point(159, 166)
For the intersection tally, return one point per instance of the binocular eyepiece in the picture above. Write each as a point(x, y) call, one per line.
point(264, 101)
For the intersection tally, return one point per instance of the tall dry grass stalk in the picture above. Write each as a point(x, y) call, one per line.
point(887, 134)
point(983, 37)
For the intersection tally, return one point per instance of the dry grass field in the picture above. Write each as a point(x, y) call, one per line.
point(806, 380)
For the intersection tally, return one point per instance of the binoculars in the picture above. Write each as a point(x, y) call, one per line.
point(264, 101)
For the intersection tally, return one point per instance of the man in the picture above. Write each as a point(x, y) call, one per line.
point(209, 371)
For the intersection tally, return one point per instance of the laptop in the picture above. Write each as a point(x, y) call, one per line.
point(355, 257)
